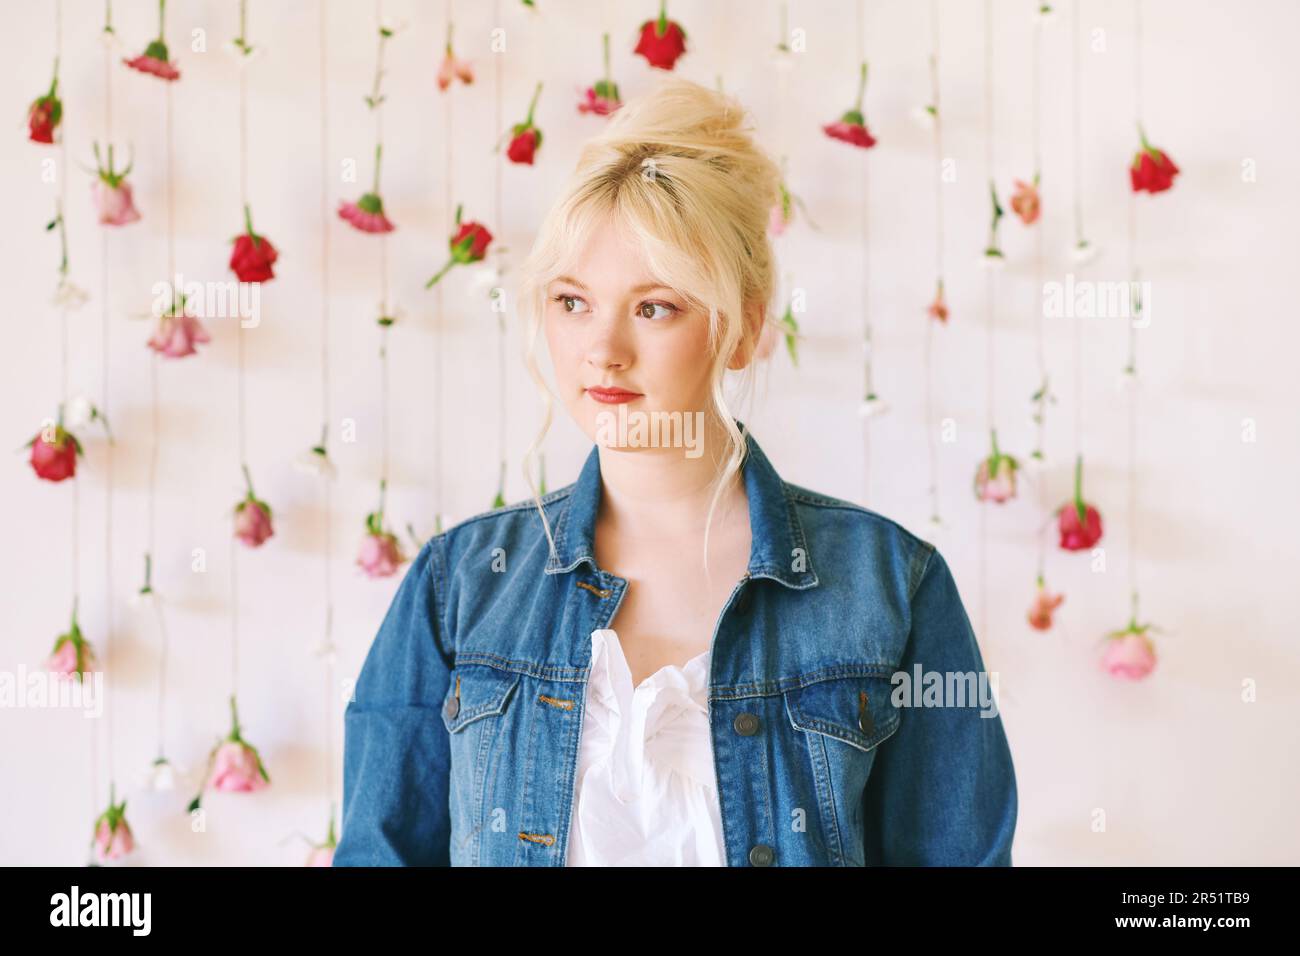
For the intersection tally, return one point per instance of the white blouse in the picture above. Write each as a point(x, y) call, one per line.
point(646, 788)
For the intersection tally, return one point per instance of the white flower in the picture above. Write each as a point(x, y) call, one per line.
point(68, 295)
point(1127, 380)
point(1044, 12)
point(924, 116)
point(1084, 252)
point(316, 462)
point(326, 650)
point(161, 776)
point(108, 37)
point(872, 407)
point(782, 59)
point(78, 413)
point(994, 262)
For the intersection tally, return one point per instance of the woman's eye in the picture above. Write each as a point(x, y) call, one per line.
point(651, 306)
point(567, 302)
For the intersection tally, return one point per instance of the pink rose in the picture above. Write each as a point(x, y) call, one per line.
point(112, 841)
point(114, 203)
point(1129, 655)
point(252, 522)
point(176, 335)
point(72, 656)
point(1025, 202)
point(380, 555)
point(236, 768)
point(366, 214)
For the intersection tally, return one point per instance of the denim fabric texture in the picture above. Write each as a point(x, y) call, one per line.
point(462, 737)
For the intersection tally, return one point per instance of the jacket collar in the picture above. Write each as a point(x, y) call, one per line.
point(778, 546)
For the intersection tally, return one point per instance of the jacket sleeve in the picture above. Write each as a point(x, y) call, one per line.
point(395, 750)
point(943, 789)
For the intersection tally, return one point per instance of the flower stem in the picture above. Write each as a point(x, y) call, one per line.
point(862, 86)
point(533, 105)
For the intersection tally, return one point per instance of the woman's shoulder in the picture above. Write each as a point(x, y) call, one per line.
point(845, 532)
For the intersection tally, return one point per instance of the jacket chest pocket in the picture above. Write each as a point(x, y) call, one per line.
point(476, 712)
point(843, 721)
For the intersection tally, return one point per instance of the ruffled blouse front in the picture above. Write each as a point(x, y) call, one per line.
point(646, 788)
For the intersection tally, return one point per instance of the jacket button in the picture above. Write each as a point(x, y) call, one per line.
point(452, 708)
point(761, 855)
point(746, 724)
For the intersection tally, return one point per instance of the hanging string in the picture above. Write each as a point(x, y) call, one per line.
point(863, 198)
point(440, 301)
point(326, 410)
point(240, 418)
point(1134, 291)
point(1040, 319)
point(928, 352)
point(1076, 148)
point(497, 214)
point(383, 253)
point(990, 303)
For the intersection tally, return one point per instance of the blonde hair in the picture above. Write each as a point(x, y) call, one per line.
point(679, 170)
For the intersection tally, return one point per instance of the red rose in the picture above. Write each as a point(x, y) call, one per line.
point(43, 117)
point(526, 139)
point(524, 146)
point(465, 249)
point(662, 40)
point(1152, 171)
point(55, 460)
point(468, 244)
point(253, 255)
point(1079, 535)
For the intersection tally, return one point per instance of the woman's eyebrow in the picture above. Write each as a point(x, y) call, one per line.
point(644, 287)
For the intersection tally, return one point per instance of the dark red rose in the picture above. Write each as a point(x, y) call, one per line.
point(43, 118)
point(662, 42)
point(524, 146)
point(1152, 171)
point(252, 258)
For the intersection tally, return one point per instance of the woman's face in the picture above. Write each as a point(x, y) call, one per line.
point(610, 324)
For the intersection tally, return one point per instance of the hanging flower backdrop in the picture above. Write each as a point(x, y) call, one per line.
point(636, 39)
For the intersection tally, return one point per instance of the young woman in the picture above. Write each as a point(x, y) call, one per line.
point(680, 658)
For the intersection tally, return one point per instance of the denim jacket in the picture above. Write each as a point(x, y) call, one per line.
point(462, 737)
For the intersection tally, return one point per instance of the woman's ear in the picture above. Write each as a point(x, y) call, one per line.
point(744, 352)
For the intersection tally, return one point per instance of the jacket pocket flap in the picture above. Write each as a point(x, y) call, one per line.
point(856, 710)
point(475, 691)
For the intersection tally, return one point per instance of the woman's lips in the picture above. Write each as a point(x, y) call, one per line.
point(612, 396)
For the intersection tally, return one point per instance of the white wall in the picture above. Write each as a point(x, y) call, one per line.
point(1183, 769)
